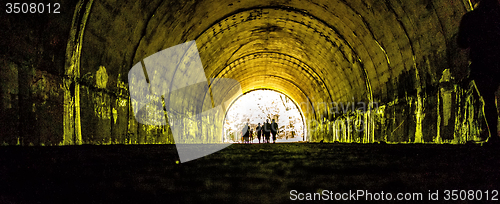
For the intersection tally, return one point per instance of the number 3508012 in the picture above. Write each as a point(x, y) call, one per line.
point(32, 8)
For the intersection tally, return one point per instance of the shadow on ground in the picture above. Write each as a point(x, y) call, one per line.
point(255, 173)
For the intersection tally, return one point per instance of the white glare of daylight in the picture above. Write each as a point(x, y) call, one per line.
point(257, 106)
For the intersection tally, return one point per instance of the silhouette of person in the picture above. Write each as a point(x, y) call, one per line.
point(245, 133)
point(248, 133)
point(267, 131)
point(480, 32)
point(251, 135)
point(258, 131)
point(274, 130)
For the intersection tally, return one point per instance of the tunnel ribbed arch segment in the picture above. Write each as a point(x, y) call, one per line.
point(272, 73)
point(277, 64)
point(285, 31)
point(385, 39)
point(366, 45)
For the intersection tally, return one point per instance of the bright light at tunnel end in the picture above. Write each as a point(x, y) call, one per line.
point(257, 106)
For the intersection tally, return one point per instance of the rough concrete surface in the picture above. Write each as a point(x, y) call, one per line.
point(241, 173)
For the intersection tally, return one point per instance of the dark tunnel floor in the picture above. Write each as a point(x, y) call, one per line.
point(258, 173)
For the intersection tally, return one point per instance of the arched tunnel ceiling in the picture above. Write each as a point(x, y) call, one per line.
point(322, 50)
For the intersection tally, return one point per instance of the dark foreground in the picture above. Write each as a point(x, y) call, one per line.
point(258, 173)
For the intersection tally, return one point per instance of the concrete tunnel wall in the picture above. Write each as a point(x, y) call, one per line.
point(70, 86)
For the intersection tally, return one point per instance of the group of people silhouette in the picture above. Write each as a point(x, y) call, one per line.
point(263, 132)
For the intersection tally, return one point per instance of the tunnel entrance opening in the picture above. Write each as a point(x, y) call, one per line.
point(255, 107)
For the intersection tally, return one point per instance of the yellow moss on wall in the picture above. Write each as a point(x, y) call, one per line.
point(101, 77)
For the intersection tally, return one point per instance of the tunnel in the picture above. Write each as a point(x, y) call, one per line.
point(66, 81)
point(383, 91)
